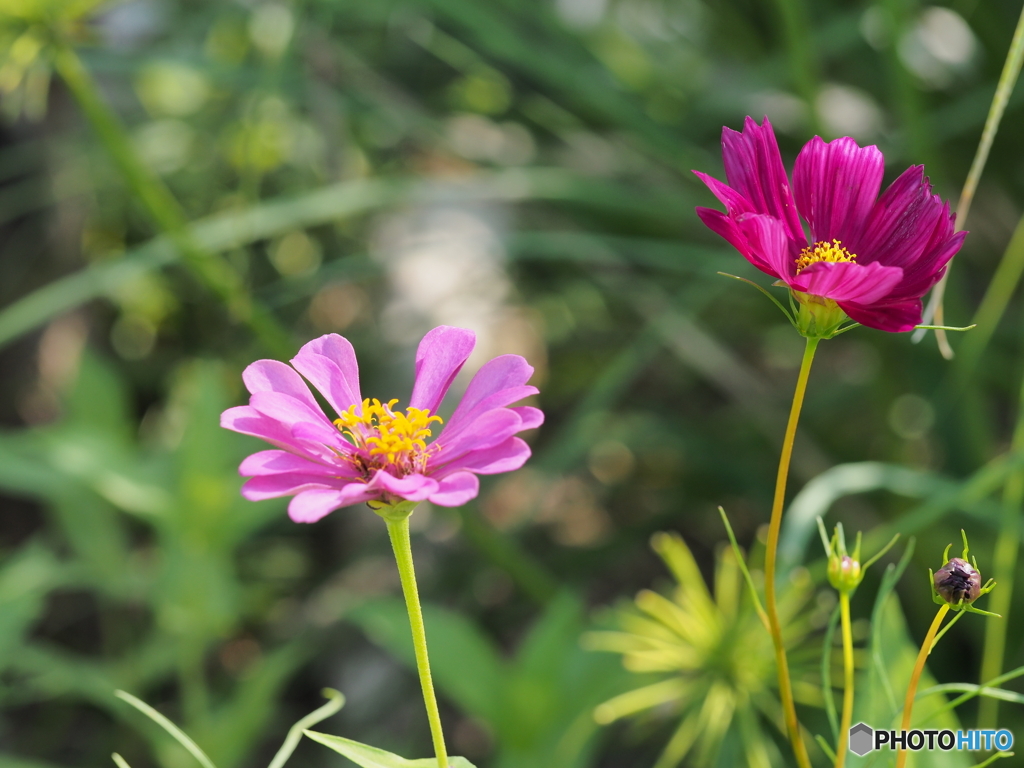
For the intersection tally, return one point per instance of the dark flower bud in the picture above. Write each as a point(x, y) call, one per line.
point(958, 581)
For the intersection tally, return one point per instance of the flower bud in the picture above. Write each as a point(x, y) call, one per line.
point(844, 573)
point(958, 581)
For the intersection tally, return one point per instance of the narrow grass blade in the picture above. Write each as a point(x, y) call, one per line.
point(826, 674)
point(335, 703)
point(168, 726)
point(743, 568)
point(119, 761)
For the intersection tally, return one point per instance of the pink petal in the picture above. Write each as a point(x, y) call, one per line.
point(275, 376)
point(309, 506)
point(319, 432)
point(848, 281)
point(283, 462)
point(530, 416)
point(440, 357)
point(753, 168)
point(896, 317)
point(285, 408)
point(330, 364)
point(767, 238)
point(836, 184)
point(248, 421)
point(455, 490)
point(503, 373)
point(487, 431)
point(274, 486)
point(507, 456)
point(410, 487)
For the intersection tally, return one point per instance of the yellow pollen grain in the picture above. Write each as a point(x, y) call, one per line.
point(385, 431)
point(823, 250)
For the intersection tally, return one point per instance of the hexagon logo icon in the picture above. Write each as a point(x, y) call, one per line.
point(861, 739)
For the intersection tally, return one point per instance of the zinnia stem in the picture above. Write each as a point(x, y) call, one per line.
point(844, 726)
point(785, 686)
point(398, 530)
point(915, 677)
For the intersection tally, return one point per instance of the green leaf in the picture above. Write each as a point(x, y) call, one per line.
point(372, 757)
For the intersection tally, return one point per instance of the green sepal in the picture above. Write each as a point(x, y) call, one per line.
point(372, 757)
point(393, 513)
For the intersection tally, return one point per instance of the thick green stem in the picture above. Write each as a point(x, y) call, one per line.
point(212, 270)
point(775, 627)
point(398, 530)
point(844, 726)
point(915, 678)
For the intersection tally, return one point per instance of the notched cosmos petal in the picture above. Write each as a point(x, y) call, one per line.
point(768, 240)
point(897, 317)
point(848, 281)
point(836, 184)
point(753, 167)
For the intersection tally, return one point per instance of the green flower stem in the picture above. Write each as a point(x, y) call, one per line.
point(211, 269)
point(844, 726)
point(1004, 565)
point(915, 678)
point(398, 530)
point(775, 627)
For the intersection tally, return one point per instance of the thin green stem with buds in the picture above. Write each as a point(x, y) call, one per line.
point(397, 519)
point(771, 553)
point(844, 725)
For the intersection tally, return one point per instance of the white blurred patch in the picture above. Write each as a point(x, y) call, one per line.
point(940, 45)
point(126, 26)
point(270, 28)
point(476, 137)
point(446, 266)
point(788, 113)
point(847, 111)
point(164, 145)
point(581, 14)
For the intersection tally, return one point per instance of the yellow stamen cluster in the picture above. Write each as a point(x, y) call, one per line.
point(823, 251)
point(387, 432)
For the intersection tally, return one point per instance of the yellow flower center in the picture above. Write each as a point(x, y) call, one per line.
point(823, 251)
point(383, 431)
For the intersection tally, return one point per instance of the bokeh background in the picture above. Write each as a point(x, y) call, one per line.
point(518, 167)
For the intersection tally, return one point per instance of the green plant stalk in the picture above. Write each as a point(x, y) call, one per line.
point(398, 530)
point(844, 726)
point(771, 554)
point(915, 678)
point(1004, 88)
point(211, 269)
point(1004, 565)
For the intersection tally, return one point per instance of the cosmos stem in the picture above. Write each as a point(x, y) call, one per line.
point(844, 726)
point(915, 677)
point(774, 626)
point(398, 530)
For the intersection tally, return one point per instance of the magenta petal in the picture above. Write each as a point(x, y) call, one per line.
point(309, 506)
point(753, 168)
point(507, 456)
point(848, 281)
point(836, 184)
point(281, 462)
point(440, 357)
point(274, 486)
point(410, 487)
point(330, 364)
point(727, 228)
point(505, 372)
point(896, 317)
point(455, 490)
point(767, 238)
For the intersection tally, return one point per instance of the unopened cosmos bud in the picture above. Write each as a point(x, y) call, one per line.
point(958, 581)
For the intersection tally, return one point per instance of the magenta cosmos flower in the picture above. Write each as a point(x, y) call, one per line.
point(375, 452)
point(870, 257)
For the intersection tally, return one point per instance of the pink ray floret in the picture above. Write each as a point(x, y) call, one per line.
point(873, 256)
point(376, 452)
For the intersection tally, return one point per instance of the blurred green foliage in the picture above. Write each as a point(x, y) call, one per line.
point(249, 175)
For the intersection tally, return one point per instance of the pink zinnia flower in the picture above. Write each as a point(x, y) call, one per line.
point(373, 451)
point(870, 257)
